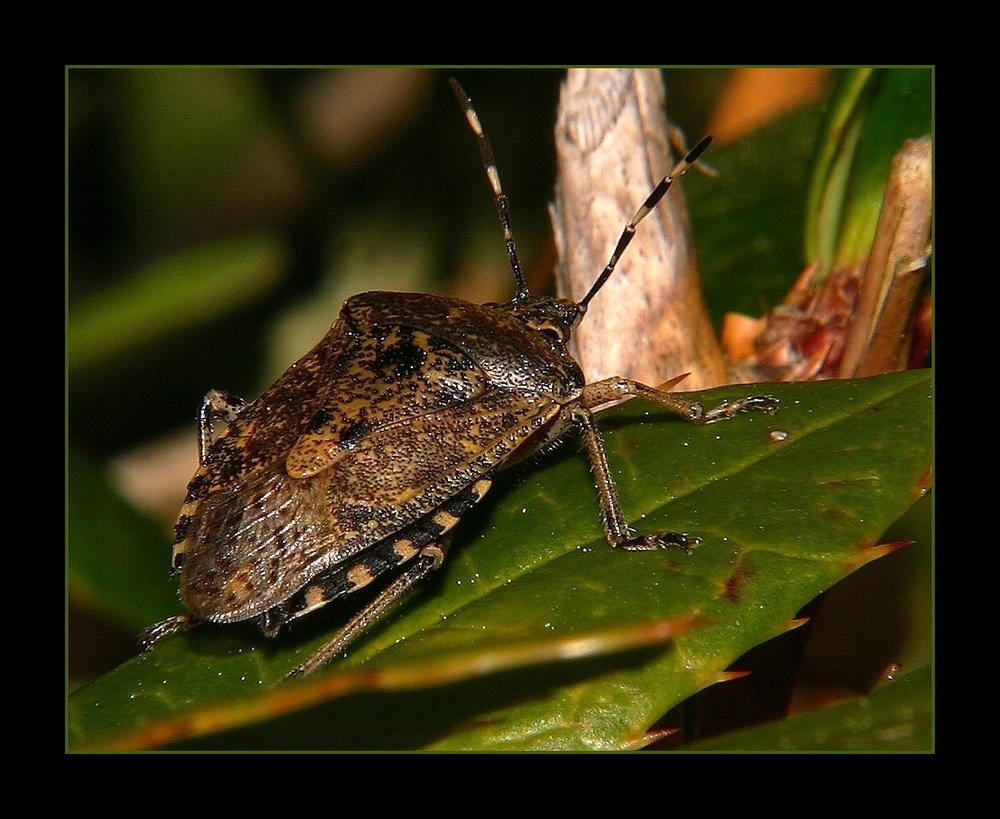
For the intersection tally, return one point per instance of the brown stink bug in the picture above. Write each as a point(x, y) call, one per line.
point(354, 465)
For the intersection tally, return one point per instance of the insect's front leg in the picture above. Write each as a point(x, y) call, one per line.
point(617, 388)
point(216, 404)
point(616, 529)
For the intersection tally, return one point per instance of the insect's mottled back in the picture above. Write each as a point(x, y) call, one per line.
point(425, 395)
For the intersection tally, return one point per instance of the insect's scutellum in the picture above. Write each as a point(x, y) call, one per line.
point(358, 461)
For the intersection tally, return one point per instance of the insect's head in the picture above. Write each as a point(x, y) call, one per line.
point(553, 317)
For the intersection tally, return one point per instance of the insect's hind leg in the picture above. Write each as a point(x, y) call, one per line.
point(216, 404)
point(422, 547)
point(429, 559)
point(156, 632)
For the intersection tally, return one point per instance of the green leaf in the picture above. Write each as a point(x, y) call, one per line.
point(530, 579)
point(114, 563)
point(176, 291)
point(896, 717)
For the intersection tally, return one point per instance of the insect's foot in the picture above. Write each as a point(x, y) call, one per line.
point(727, 409)
point(156, 632)
point(315, 662)
point(764, 403)
point(661, 540)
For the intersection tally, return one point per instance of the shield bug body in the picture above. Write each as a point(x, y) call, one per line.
point(354, 465)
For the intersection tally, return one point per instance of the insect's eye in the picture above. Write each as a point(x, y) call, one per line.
point(554, 331)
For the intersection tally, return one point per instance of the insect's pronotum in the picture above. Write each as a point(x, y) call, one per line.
point(351, 469)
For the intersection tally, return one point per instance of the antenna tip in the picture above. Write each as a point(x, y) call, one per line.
point(459, 92)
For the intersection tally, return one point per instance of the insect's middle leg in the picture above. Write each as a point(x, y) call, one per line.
point(616, 529)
